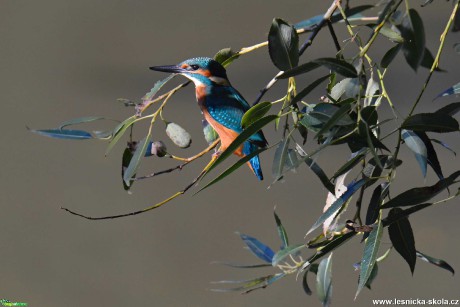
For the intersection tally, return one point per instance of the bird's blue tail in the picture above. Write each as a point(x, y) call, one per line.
point(254, 162)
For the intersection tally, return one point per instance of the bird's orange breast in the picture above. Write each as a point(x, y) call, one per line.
point(226, 135)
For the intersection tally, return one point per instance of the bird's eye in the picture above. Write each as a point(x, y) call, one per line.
point(194, 67)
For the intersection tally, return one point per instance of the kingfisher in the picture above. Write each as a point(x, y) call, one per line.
point(221, 104)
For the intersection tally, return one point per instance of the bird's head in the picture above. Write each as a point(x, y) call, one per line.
point(202, 71)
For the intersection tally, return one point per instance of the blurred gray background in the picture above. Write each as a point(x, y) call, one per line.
point(65, 59)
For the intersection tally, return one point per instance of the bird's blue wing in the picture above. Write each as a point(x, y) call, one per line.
point(227, 107)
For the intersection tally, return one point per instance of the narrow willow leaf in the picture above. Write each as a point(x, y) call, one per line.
point(325, 111)
point(403, 214)
point(355, 158)
point(242, 266)
point(283, 45)
point(351, 189)
point(339, 66)
point(432, 157)
point(119, 131)
point(444, 145)
point(281, 231)
point(416, 196)
point(391, 34)
point(368, 261)
point(64, 134)
point(233, 168)
point(438, 262)
point(292, 160)
point(305, 286)
point(434, 122)
point(225, 56)
point(414, 38)
point(301, 69)
point(373, 275)
point(80, 120)
point(340, 114)
point(415, 143)
point(454, 89)
point(340, 188)
point(324, 281)
point(289, 250)
point(259, 282)
point(255, 113)
point(402, 238)
point(450, 109)
point(372, 89)
point(316, 169)
point(127, 156)
point(348, 87)
point(156, 87)
point(258, 248)
point(136, 159)
point(390, 55)
point(246, 134)
point(324, 250)
point(374, 208)
point(308, 89)
point(279, 159)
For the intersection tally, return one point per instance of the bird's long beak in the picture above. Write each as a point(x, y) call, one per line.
point(169, 68)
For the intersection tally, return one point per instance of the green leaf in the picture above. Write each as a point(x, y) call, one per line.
point(305, 286)
point(259, 249)
point(435, 122)
point(226, 56)
point(438, 262)
point(63, 134)
point(339, 116)
point(246, 134)
point(368, 261)
point(348, 87)
point(432, 157)
point(391, 34)
point(308, 89)
point(283, 45)
point(301, 69)
point(373, 275)
point(454, 89)
point(351, 189)
point(324, 280)
point(324, 112)
point(372, 89)
point(119, 131)
point(136, 159)
point(444, 145)
point(233, 168)
point(403, 214)
point(281, 231)
point(255, 113)
point(285, 252)
point(450, 109)
point(356, 158)
point(390, 55)
point(279, 159)
point(80, 120)
point(156, 87)
point(339, 66)
point(416, 144)
point(419, 195)
point(249, 285)
point(414, 38)
point(242, 266)
point(127, 156)
point(402, 238)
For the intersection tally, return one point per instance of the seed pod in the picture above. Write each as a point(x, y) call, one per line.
point(210, 134)
point(178, 135)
